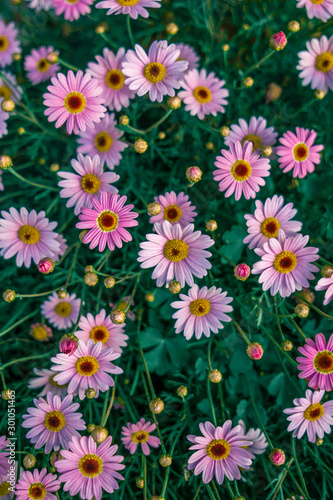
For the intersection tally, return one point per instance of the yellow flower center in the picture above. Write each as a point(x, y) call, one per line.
point(39, 333)
point(175, 250)
point(172, 213)
point(36, 491)
point(140, 437)
point(4, 43)
point(90, 183)
point(202, 95)
point(87, 366)
point(54, 421)
point(324, 62)
point(241, 170)
point(99, 334)
point(5, 92)
point(323, 362)
point(285, 262)
point(270, 227)
point(71, 1)
point(300, 151)
point(107, 221)
point(127, 3)
point(63, 309)
point(103, 142)
point(314, 412)
point(43, 65)
point(28, 234)
point(75, 102)
point(200, 307)
point(114, 79)
point(218, 449)
point(154, 72)
point(54, 383)
point(4, 488)
point(90, 465)
point(317, 2)
point(255, 139)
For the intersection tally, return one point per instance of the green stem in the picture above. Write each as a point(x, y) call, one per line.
point(144, 466)
point(18, 323)
point(72, 265)
point(132, 294)
point(21, 360)
point(152, 390)
point(215, 490)
point(262, 60)
point(161, 120)
point(209, 391)
point(129, 29)
point(67, 65)
point(293, 443)
point(326, 261)
point(49, 188)
point(278, 319)
point(104, 261)
point(257, 414)
point(153, 414)
point(282, 478)
point(297, 328)
point(283, 352)
point(313, 307)
point(108, 411)
point(243, 334)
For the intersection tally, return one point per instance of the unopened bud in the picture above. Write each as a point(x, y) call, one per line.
point(101, 28)
point(55, 457)
point(118, 316)
point(242, 272)
point(182, 391)
point(156, 405)
point(21, 131)
point(140, 482)
point(5, 162)
point(273, 92)
point(225, 47)
point(29, 461)
point(278, 41)
point(99, 434)
point(89, 269)
point(109, 282)
point(149, 297)
point(294, 26)
point(174, 102)
point(319, 441)
point(194, 174)
point(123, 120)
point(248, 82)
point(46, 265)
point(215, 376)
point(165, 460)
point(82, 235)
point(62, 294)
point(254, 351)
point(140, 146)
point(90, 393)
point(91, 427)
point(225, 131)
point(306, 294)
point(319, 94)
point(54, 167)
point(172, 28)
point(7, 394)
point(91, 279)
point(277, 457)
point(162, 135)
point(302, 310)
point(211, 225)
point(327, 271)
point(17, 56)
point(8, 105)
point(174, 287)
point(287, 345)
point(209, 146)
point(52, 57)
point(154, 208)
point(9, 295)
point(266, 151)
point(68, 344)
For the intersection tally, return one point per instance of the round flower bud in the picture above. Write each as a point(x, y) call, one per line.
point(101, 28)
point(91, 279)
point(246, 26)
point(21, 130)
point(90, 427)
point(90, 393)
point(156, 497)
point(225, 47)
point(99, 434)
point(215, 376)
point(254, 351)
point(140, 482)
point(307, 295)
point(149, 297)
point(225, 131)
point(302, 310)
point(154, 208)
point(174, 102)
point(172, 28)
point(287, 345)
point(162, 135)
point(194, 174)
point(29, 461)
point(5, 162)
point(55, 457)
point(277, 457)
point(42, 161)
point(9, 295)
point(174, 287)
point(248, 82)
point(17, 56)
point(319, 94)
point(182, 391)
point(123, 120)
point(278, 41)
point(82, 235)
point(68, 344)
point(238, 497)
point(62, 294)
point(8, 105)
point(327, 271)
point(53, 470)
point(273, 92)
point(89, 269)
point(118, 316)
point(242, 272)
point(6, 394)
point(54, 167)
point(211, 225)
point(109, 282)
point(46, 265)
point(165, 460)
point(52, 57)
point(319, 441)
point(294, 26)
point(140, 146)
point(266, 151)
point(209, 146)
point(156, 405)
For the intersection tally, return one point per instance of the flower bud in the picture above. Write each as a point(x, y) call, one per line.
point(172, 28)
point(9, 295)
point(62, 294)
point(248, 82)
point(174, 287)
point(55, 457)
point(162, 135)
point(273, 92)
point(319, 441)
point(82, 235)
point(29, 461)
point(278, 41)
point(182, 391)
point(89, 269)
point(327, 271)
point(90, 427)
point(52, 57)
point(21, 130)
point(123, 120)
point(109, 282)
point(118, 316)
point(156, 497)
point(242, 272)
point(319, 94)
point(174, 102)
point(307, 295)
point(225, 131)
point(149, 297)
point(211, 225)
point(209, 146)
point(42, 161)
point(266, 151)
point(101, 28)
point(254, 351)
point(302, 310)
point(46, 265)
point(68, 344)
point(165, 460)
point(90, 393)
point(154, 208)
point(294, 26)
point(140, 146)
point(53, 470)
point(91, 279)
point(16, 56)
point(8, 105)
point(54, 167)
point(156, 405)
point(277, 457)
point(140, 482)
point(287, 345)
point(215, 376)
point(225, 47)
point(7, 394)
point(193, 174)
point(238, 497)
point(5, 162)
point(99, 434)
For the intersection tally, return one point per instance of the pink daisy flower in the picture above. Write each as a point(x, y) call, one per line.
point(89, 182)
point(89, 468)
point(9, 44)
point(134, 8)
point(255, 131)
point(285, 264)
point(103, 140)
point(9, 89)
point(72, 9)
point(39, 5)
point(74, 99)
point(220, 452)
point(187, 53)
point(3, 125)
point(45, 379)
point(53, 422)
point(326, 284)
point(101, 329)
point(61, 313)
point(316, 64)
point(157, 73)
point(202, 311)
point(259, 443)
point(28, 235)
point(139, 433)
point(320, 9)
point(240, 170)
point(110, 77)
point(107, 221)
point(88, 367)
point(298, 153)
point(316, 363)
point(175, 209)
point(268, 218)
point(6, 488)
point(203, 94)
point(38, 67)
point(40, 332)
point(33, 485)
point(4, 452)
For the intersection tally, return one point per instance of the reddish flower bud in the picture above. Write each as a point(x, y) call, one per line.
point(46, 265)
point(278, 41)
point(242, 272)
point(68, 344)
point(193, 174)
point(277, 457)
point(254, 351)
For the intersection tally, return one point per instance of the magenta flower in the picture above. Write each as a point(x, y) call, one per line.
point(133, 8)
point(3, 131)
point(4, 452)
point(45, 379)
point(320, 9)
point(38, 67)
point(74, 99)
point(61, 313)
point(187, 53)
point(326, 284)
point(255, 131)
point(176, 253)
point(9, 44)
point(37, 485)
point(72, 9)
point(316, 363)
point(240, 170)
point(285, 264)
point(157, 73)
point(202, 311)
point(28, 235)
point(268, 218)
point(139, 433)
point(298, 153)
point(89, 468)
point(9, 89)
point(259, 443)
point(175, 209)
point(39, 5)
point(316, 64)
point(203, 94)
point(107, 221)
point(220, 452)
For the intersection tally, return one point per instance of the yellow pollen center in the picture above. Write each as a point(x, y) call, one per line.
point(54, 383)
point(43, 65)
point(5, 92)
point(241, 170)
point(114, 79)
point(4, 488)
point(172, 213)
point(270, 227)
point(75, 102)
point(103, 142)
point(87, 366)
point(29, 234)
point(300, 151)
point(39, 333)
point(99, 334)
point(63, 309)
point(90, 183)
point(202, 94)
point(90, 465)
point(4, 43)
point(218, 449)
point(317, 2)
point(71, 2)
point(255, 139)
point(323, 362)
point(175, 250)
point(200, 307)
point(37, 491)
point(324, 62)
point(54, 421)
point(285, 262)
point(314, 412)
point(140, 437)
point(154, 72)
point(107, 221)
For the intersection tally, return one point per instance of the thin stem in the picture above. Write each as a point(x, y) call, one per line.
point(161, 120)
point(282, 478)
point(293, 443)
point(297, 328)
point(277, 315)
point(19, 296)
point(144, 466)
point(197, 492)
point(132, 294)
point(326, 261)
point(228, 486)
point(243, 334)
point(283, 352)
point(209, 391)
point(21, 360)
point(153, 414)
point(215, 490)
point(314, 307)
point(104, 260)
point(67, 65)
point(262, 60)
point(18, 323)
point(129, 29)
point(49, 188)
point(278, 319)
point(257, 414)
point(108, 411)
point(72, 265)
point(152, 390)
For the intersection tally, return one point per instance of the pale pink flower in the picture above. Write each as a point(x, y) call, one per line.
point(9, 89)
point(187, 53)
point(45, 379)
point(9, 44)
point(326, 284)
point(72, 9)
point(259, 443)
point(38, 67)
point(316, 363)
point(316, 64)
point(61, 313)
point(320, 9)
point(39, 5)
point(37, 484)
point(175, 209)
point(256, 131)
point(133, 8)
point(139, 433)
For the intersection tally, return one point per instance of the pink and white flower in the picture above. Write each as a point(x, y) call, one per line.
point(187, 53)
point(175, 209)
point(316, 363)
point(9, 43)
point(61, 313)
point(326, 284)
point(139, 433)
point(316, 64)
point(39, 5)
point(45, 379)
point(320, 9)
point(259, 443)
point(72, 10)
point(38, 67)
point(133, 8)
point(35, 484)
point(256, 131)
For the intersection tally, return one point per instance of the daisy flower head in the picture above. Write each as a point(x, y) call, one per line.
point(316, 363)
point(203, 94)
point(37, 485)
point(220, 452)
point(255, 131)
point(268, 218)
point(74, 99)
point(89, 468)
point(139, 433)
point(298, 153)
point(61, 313)
point(108, 73)
point(72, 9)
point(53, 422)
point(9, 44)
point(316, 64)
point(88, 367)
point(103, 140)
point(320, 9)
point(40, 332)
point(310, 416)
point(187, 53)
point(176, 253)
point(39, 5)
point(326, 284)
point(38, 67)
point(157, 73)
point(240, 170)
point(28, 235)
point(107, 221)
point(9, 89)
point(101, 329)
point(202, 311)
point(133, 8)
point(4, 452)
point(259, 443)
point(45, 379)
point(175, 209)
point(6, 482)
